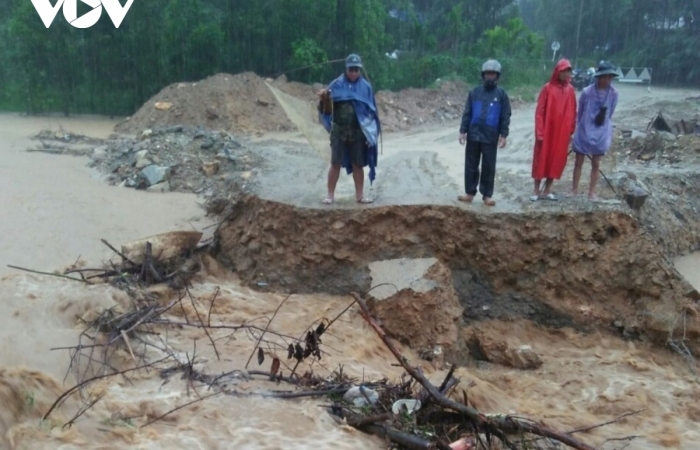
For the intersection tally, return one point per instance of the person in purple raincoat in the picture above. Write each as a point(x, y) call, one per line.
point(594, 129)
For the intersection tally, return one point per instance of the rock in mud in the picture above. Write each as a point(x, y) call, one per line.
point(100, 153)
point(160, 187)
point(155, 174)
point(174, 129)
point(425, 313)
point(667, 136)
point(123, 148)
point(485, 347)
point(207, 144)
point(636, 198)
point(140, 146)
point(210, 168)
point(130, 182)
point(142, 162)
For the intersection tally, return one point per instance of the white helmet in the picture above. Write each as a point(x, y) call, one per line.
point(491, 66)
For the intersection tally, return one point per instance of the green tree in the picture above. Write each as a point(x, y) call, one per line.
point(308, 56)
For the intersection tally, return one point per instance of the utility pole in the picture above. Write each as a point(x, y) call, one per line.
point(578, 31)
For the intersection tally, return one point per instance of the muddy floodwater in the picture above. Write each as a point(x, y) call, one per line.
point(55, 210)
point(584, 379)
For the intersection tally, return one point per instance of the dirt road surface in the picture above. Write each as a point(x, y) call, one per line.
point(426, 165)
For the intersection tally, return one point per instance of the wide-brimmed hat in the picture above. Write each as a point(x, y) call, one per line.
point(605, 68)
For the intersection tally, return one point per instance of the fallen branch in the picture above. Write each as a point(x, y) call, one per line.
point(288, 395)
point(593, 427)
point(340, 315)
point(88, 381)
point(449, 382)
point(206, 331)
point(82, 411)
point(68, 272)
point(626, 438)
point(179, 408)
point(273, 376)
point(118, 252)
point(505, 424)
point(148, 273)
point(47, 273)
point(211, 306)
point(265, 330)
point(360, 421)
point(372, 425)
point(222, 327)
point(409, 441)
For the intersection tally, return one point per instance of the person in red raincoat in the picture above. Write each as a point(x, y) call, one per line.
point(555, 122)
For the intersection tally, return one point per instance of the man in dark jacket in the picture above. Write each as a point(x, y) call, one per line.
point(484, 128)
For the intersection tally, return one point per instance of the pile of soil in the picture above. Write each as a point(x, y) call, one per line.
point(410, 107)
point(658, 147)
point(237, 103)
point(244, 105)
point(177, 158)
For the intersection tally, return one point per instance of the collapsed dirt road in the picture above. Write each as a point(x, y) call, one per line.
point(426, 167)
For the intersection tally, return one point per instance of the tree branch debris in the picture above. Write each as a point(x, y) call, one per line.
point(440, 423)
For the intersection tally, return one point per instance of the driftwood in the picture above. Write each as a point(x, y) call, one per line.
point(498, 425)
point(139, 330)
point(38, 272)
point(406, 440)
point(377, 425)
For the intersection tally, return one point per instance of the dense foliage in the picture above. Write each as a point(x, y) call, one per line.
point(661, 34)
point(113, 71)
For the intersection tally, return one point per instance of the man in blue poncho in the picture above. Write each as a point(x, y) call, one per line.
point(354, 128)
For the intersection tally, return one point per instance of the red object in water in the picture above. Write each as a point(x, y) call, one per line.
point(555, 122)
point(462, 444)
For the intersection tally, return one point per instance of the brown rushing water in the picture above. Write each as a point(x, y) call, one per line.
point(55, 209)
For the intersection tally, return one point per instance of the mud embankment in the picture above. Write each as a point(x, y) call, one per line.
point(588, 270)
point(671, 214)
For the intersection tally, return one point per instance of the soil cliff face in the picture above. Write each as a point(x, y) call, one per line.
point(583, 269)
point(426, 315)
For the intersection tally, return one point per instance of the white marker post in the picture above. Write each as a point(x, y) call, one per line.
point(555, 48)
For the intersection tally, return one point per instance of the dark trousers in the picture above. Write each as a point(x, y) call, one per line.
point(475, 152)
